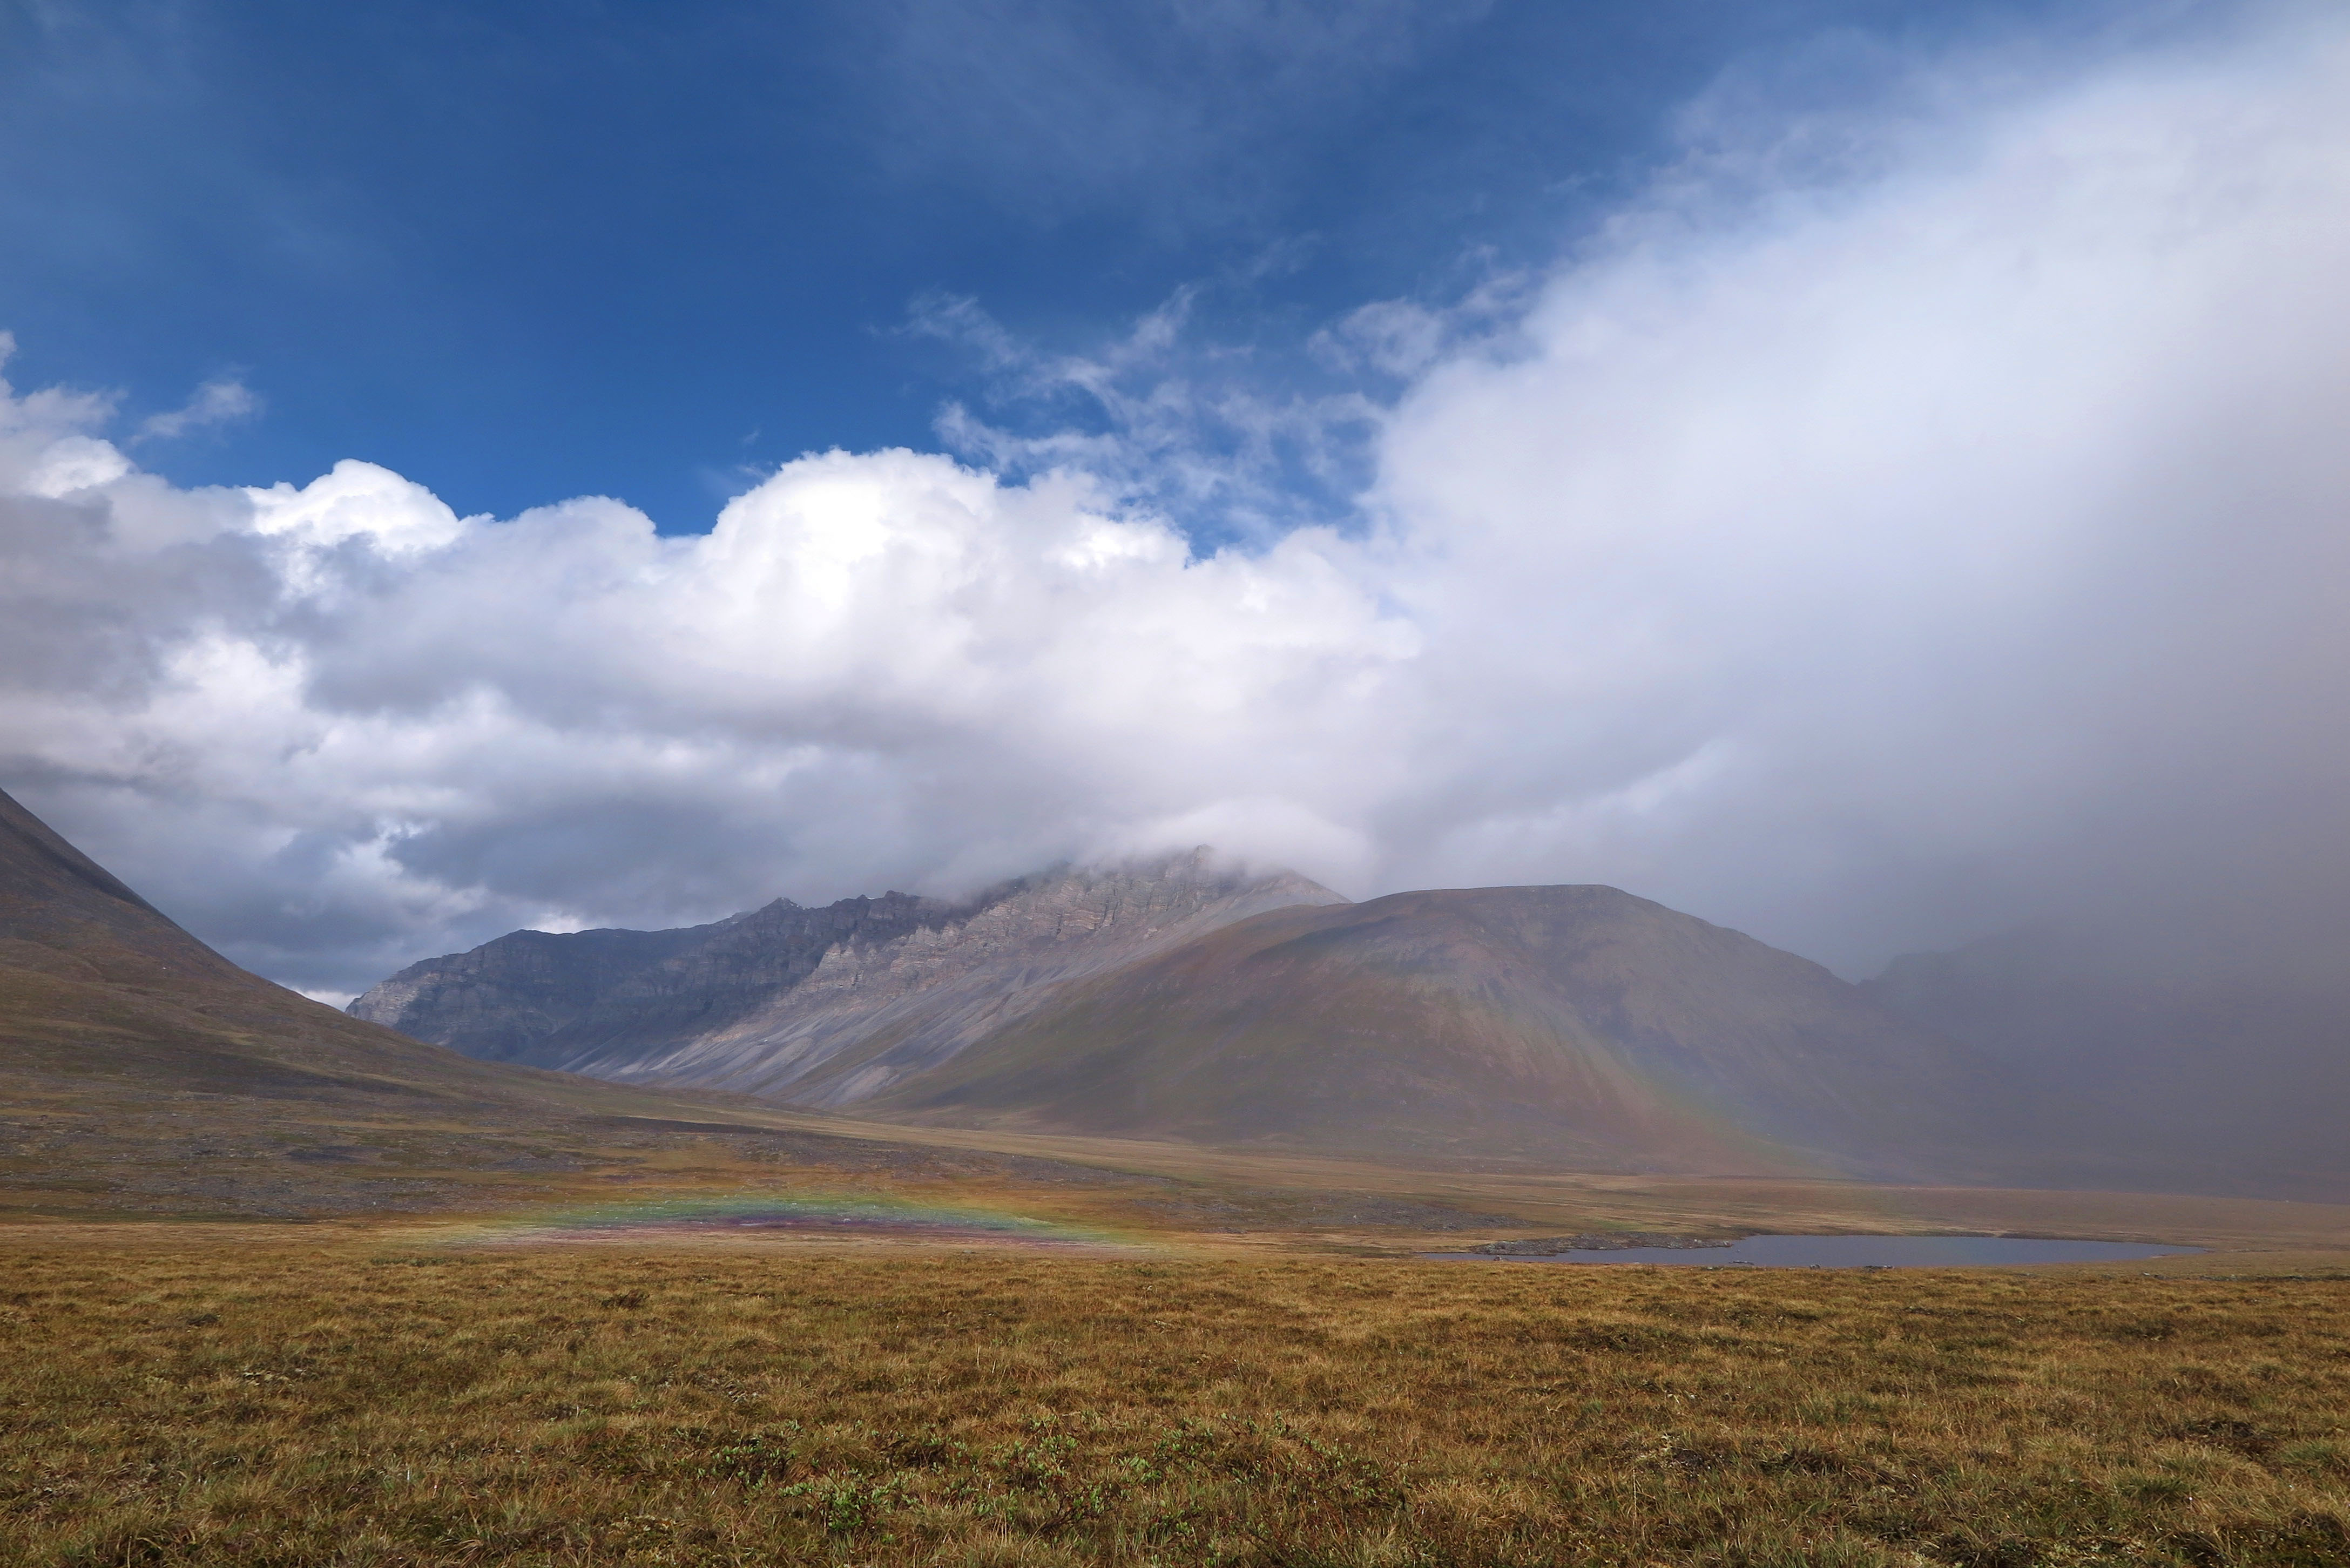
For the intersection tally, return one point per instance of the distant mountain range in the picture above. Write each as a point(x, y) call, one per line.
point(1181, 998)
point(824, 1007)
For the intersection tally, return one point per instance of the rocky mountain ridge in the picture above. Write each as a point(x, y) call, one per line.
point(821, 1006)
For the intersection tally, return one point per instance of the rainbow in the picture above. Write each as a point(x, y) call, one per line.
point(797, 1217)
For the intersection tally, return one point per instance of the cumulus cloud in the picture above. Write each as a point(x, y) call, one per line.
point(1869, 551)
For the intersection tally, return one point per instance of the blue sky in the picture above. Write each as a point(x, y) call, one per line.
point(1866, 472)
point(519, 252)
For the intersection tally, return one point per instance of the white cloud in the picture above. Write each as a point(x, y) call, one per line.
point(223, 400)
point(1956, 512)
point(1197, 433)
point(1866, 558)
point(75, 463)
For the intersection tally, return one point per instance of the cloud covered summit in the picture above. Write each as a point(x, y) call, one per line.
point(1891, 527)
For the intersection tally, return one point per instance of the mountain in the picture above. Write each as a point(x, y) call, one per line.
point(142, 1072)
point(102, 997)
point(1574, 1026)
point(95, 983)
point(2209, 1066)
point(824, 1006)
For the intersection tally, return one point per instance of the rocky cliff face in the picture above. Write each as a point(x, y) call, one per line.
point(500, 1001)
point(547, 999)
point(821, 1006)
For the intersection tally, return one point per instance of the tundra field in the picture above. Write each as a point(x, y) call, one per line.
point(262, 1396)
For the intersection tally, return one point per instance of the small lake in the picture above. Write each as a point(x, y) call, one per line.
point(1853, 1252)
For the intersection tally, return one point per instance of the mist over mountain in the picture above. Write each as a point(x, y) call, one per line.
point(1191, 998)
point(2221, 1067)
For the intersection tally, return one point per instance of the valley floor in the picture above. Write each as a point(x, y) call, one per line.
point(344, 1394)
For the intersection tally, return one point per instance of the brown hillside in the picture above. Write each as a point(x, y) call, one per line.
point(96, 985)
point(142, 1072)
point(1575, 1026)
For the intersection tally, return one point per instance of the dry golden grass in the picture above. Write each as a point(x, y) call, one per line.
point(255, 1398)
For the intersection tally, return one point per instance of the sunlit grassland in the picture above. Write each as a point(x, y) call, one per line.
point(249, 1400)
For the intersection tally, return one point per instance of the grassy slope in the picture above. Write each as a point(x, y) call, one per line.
point(1574, 1026)
point(239, 1402)
point(98, 986)
point(142, 1072)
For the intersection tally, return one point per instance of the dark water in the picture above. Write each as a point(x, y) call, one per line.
point(1857, 1253)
